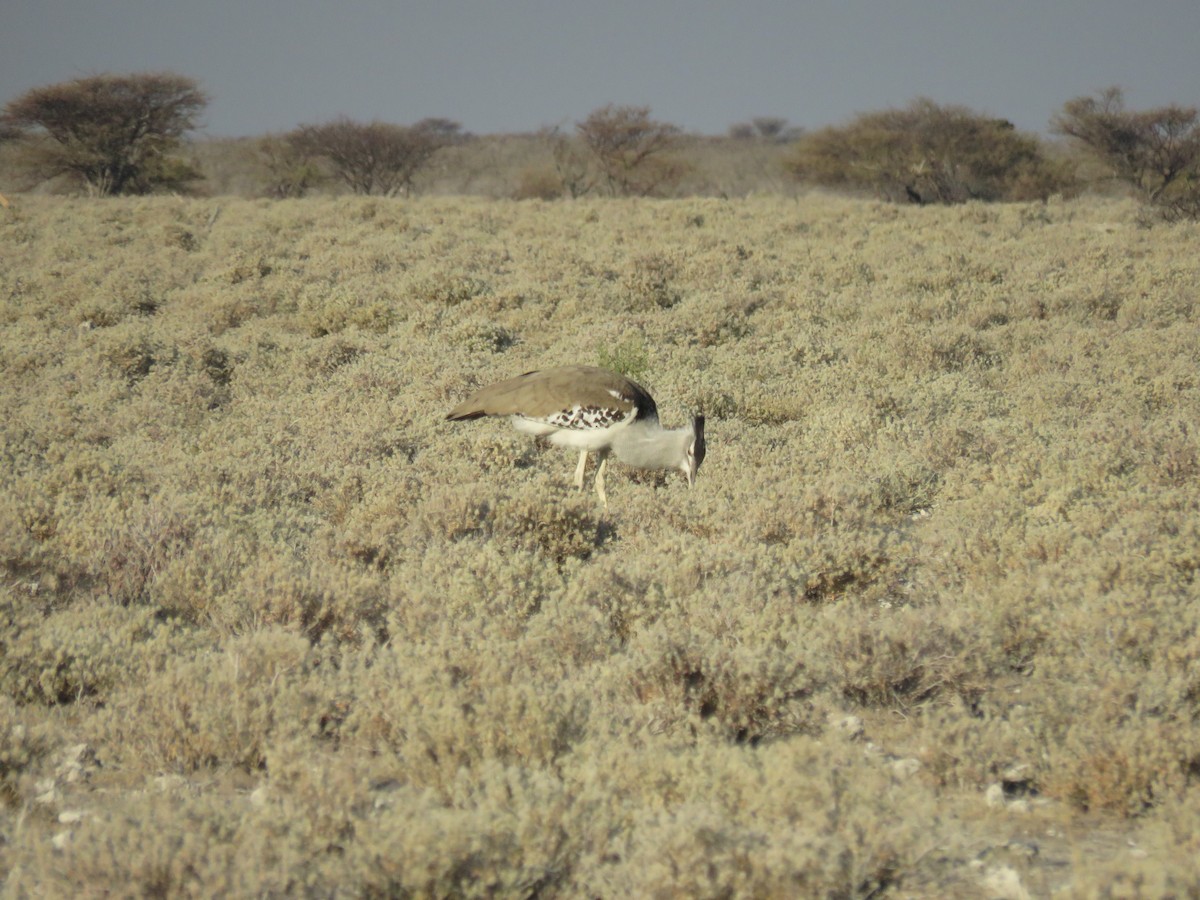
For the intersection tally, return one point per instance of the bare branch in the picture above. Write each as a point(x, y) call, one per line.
point(375, 158)
point(631, 150)
point(1154, 151)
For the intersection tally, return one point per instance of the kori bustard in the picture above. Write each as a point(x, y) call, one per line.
point(595, 411)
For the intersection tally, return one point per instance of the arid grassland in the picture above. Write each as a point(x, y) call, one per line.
point(927, 625)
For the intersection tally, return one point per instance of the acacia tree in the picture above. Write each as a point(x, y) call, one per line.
point(1156, 151)
point(289, 170)
point(631, 150)
point(926, 153)
point(114, 133)
point(376, 157)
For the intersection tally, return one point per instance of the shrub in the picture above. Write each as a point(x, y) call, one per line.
point(377, 157)
point(290, 169)
point(630, 358)
point(113, 133)
point(571, 164)
point(1156, 152)
point(223, 708)
point(78, 653)
point(21, 749)
point(631, 150)
point(927, 153)
point(649, 282)
point(535, 183)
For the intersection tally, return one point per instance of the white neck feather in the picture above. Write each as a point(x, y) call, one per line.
point(647, 445)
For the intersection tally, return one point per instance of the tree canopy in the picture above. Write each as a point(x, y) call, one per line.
point(927, 153)
point(115, 133)
point(1155, 151)
point(375, 157)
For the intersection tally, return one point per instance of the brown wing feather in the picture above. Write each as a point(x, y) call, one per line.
point(547, 391)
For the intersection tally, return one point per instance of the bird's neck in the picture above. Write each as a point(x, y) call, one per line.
point(647, 445)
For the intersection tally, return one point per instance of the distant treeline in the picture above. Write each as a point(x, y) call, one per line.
point(129, 134)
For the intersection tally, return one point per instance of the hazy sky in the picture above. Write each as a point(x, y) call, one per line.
point(270, 65)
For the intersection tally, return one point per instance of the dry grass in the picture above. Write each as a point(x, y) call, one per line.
point(315, 639)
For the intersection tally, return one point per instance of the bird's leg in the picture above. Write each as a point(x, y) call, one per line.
point(579, 469)
point(603, 454)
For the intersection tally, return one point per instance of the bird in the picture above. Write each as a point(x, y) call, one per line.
point(591, 410)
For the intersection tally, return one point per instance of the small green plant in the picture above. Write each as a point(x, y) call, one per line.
point(629, 358)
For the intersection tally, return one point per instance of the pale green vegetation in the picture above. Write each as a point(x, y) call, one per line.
point(317, 639)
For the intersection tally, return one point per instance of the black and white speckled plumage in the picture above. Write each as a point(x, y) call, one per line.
point(584, 417)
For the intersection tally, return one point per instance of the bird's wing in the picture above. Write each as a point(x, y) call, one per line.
point(543, 393)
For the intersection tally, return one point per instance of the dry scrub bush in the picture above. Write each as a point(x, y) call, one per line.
point(1155, 152)
point(21, 750)
point(950, 495)
point(370, 158)
point(648, 282)
point(630, 152)
point(758, 830)
point(926, 153)
point(85, 651)
point(538, 184)
point(224, 708)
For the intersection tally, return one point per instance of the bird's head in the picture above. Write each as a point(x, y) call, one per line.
point(695, 451)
